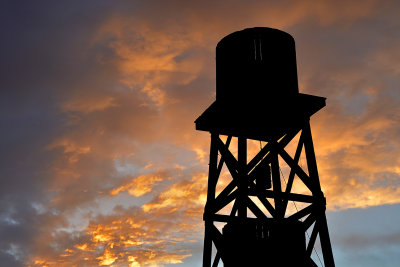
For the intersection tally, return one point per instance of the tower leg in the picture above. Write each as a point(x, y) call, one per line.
point(208, 210)
point(243, 182)
point(326, 246)
point(207, 249)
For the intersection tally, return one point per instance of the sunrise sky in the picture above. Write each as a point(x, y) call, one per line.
point(100, 161)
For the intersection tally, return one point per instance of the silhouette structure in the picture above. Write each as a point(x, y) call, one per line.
point(258, 99)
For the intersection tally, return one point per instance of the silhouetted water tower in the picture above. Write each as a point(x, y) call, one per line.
point(258, 99)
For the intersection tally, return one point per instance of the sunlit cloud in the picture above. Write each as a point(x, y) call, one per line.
point(138, 186)
point(90, 104)
point(189, 193)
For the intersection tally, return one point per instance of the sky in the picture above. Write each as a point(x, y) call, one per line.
point(100, 161)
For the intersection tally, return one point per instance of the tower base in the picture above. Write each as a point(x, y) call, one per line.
point(264, 243)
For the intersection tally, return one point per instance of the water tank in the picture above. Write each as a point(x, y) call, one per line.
point(256, 65)
point(257, 90)
point(261, 244)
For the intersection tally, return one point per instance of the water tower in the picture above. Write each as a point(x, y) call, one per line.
point(257, 218)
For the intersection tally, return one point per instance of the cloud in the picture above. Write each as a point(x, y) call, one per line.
point(128, 236)
point(87, 105)
point(100, 159)
point(138, 186)
point(189, 193)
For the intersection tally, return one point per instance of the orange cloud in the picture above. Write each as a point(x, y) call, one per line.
point(107, 258)
point(123, 238)
point(89, 104)
point(138, 186)
point(72, 150)
point(184, 193)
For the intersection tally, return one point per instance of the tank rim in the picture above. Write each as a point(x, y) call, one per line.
point(254, 30)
